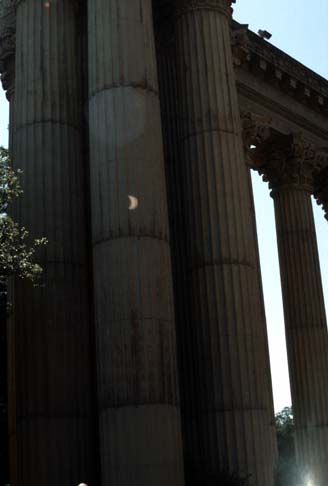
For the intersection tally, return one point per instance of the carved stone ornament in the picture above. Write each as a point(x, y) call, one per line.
point(256, 129)
point(7, 44)
point(240, 44)
point(223, 6)
point(321, 179)
point(282, 160)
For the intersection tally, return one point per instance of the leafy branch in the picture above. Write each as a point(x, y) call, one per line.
point(17, 255)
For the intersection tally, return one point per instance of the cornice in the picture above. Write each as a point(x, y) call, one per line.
point(277, 68)
point(281, 109)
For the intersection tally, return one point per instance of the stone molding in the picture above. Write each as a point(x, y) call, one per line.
point(281, 71)
point(240, 45)
point(222, 6)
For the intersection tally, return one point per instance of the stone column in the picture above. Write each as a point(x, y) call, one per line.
point(51, 382)
point(7, 70)
point(136, 345)
point(225, 373)
point(288, 162)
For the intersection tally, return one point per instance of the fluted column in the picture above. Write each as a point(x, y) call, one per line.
point(288, 162)
point(52, 418)
point(7, 70)
point(136, 346)
point(225, 373)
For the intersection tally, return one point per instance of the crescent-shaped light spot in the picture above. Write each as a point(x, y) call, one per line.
point(133, 203)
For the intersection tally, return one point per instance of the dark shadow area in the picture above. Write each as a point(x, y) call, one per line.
point(4, 459)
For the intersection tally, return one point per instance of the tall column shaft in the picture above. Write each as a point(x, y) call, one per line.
point(225, 373)
point(168, 91)
point(4, 459)
point(306, 328)
point(52, 423)
point(136, 344)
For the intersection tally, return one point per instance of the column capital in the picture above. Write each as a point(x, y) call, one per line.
point(321, 179)
point(284, 160)
point(222, 6)
point(7, 44)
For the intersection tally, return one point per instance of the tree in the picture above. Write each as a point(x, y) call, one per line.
point(16, 253)
point(16, 259)
point(287, 473)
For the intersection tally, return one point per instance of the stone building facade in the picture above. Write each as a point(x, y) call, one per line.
point(143, 358)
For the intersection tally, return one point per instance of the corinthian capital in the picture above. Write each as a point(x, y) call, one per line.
point(223, 6)
point(321, 179)
point(285, 161)
point(256, 129)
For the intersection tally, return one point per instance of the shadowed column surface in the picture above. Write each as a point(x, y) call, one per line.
point(136, 345)
point(51, 424)
point(225, 377)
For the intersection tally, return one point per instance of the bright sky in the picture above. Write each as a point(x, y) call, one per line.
point(299, 27)
point(3, 119)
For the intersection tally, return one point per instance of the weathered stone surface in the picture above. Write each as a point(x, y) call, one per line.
point(136, 344)
point(225, 378)
point(227, 407)
point(52, 427)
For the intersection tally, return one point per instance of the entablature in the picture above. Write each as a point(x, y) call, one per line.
point(271, 66)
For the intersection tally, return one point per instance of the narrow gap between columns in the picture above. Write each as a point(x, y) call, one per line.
point(266, 231)
point(321, 226)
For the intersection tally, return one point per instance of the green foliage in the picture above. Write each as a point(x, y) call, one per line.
point(285, 433)
point(17, 255)
point(287, 473)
